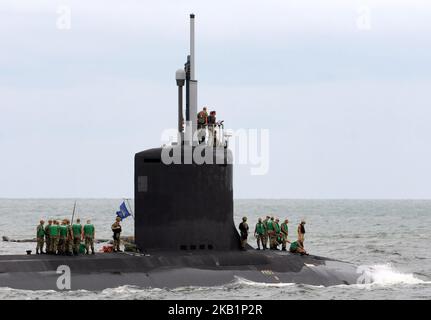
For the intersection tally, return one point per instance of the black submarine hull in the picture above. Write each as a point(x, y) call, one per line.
point(171, 270)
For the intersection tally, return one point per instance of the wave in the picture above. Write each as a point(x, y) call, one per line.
point(239, 281)
point(386, 274)
point(376, 277)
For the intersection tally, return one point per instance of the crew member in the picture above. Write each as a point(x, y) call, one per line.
point(77, 236)
point(202, 118)
point(271, 232)
point(211, 128)
point(243, 228)
point(259, 233)
point(62, 239)
point(301, 232)
point(211, 120)
point(40, 236)
point(295, 247)
point(116, 229)
point(89, 234)
point(54, 233)
point(276, 238)
point(265, 238)
point(284, 234)
point(202, 122)
point(48, 238)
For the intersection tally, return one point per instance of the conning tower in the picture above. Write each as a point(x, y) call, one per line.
point(188, 204)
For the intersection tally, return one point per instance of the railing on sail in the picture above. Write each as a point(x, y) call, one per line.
point(214, 135)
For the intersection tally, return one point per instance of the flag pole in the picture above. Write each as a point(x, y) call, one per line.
point(73, 214)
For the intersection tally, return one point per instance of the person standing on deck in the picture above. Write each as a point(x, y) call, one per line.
point(301, 233)
point(284, 234)
point(40, 236)
point(271, 232)
point(259, 233)
point(54, 233)
point(276, 237)
point(265, 239)
point(116, 229)
point(48, 238)
point(77, 236)
point(243, 228)
point(62, 239)
point(89, 234)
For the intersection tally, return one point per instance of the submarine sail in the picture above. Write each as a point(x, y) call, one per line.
point(187, 205)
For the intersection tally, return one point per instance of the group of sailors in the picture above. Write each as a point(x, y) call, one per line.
point(64, 238)
point(270, 233)
point(204, 121)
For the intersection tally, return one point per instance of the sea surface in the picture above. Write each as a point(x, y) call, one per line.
point(391, 238)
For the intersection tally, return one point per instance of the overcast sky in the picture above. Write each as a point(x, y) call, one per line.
point(344, 89)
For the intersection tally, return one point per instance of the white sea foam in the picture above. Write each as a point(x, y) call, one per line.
point(373, 275)
point(246, 282)
point(386, 274)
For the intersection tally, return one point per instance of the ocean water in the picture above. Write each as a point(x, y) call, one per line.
point(391, 238)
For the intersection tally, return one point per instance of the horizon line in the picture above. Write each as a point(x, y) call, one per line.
point(275, 199)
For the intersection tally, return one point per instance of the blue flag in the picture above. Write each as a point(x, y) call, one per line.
point(123, 213)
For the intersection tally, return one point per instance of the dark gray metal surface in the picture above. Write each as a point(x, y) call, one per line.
point(170, 270)
point(184, 206)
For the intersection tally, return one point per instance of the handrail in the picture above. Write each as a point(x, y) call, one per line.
point(213, 134)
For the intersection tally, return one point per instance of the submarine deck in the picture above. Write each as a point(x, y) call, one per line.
point(172, 269)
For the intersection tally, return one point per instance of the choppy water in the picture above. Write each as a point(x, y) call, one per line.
point(391, 237)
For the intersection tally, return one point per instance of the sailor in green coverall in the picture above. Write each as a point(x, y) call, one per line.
point(89, 233)
point(265, 238)
point(271, 232)
point(62, 239)
point(284, 233)
point(77, 236)
point(259, 233)
point(295, 247)
point(276, 237)
point(54, 233)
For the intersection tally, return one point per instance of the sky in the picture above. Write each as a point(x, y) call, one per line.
point(343, 88)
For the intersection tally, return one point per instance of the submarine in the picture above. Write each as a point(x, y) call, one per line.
point(184, 226)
